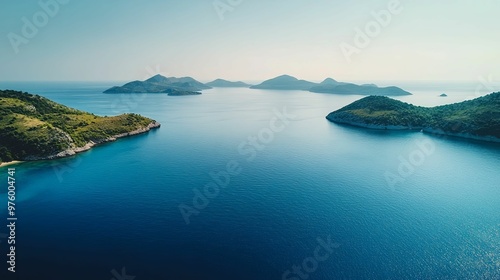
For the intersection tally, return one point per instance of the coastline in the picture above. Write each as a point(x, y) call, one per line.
point(372, 126)
point(462, 135)
point(428, 130)
point(3, 164)
point(91, 144)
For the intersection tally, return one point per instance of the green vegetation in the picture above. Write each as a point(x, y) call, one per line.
point(176, 92)
point(329, 85)
point(225, 83)
point(34, 127)
point(368, 89)
point(285, 82)
point(161, 84)
point(477, 118)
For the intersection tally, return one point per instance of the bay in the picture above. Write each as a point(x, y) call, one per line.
point(117, 206)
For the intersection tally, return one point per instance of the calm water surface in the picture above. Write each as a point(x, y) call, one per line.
point(117, 206)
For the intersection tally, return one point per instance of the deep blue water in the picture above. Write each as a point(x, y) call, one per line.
point(117, 206)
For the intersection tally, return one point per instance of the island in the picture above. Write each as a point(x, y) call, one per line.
point(443, 95)
point(161, 84)
point(285, 82)
point(475, 119)
point(353, 89)
point(35, 128)
point(224, 83)
point(329, 85)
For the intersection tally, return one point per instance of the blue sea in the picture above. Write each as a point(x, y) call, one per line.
point(256, 184)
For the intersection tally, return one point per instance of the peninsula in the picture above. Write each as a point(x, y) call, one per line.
point(35, 128)
point(475, 119)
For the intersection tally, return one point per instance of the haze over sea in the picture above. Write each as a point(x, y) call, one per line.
point(117, 206)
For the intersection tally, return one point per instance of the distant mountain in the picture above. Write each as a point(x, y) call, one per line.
point(188, 81)
point(159, 79)
point(285, 82)
point(330, 82)
point(225, 83)
point(161, 84)
point(476, 119)
point(33, 128)
point(190, 86)
point(329, 85)
point(369, 89)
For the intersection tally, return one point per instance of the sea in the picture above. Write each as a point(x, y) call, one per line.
point(256, 184)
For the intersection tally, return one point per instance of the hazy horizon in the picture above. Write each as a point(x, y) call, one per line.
point(392, 82)
point(249, 41)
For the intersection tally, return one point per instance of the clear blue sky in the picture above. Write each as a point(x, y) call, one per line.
point(126, 40)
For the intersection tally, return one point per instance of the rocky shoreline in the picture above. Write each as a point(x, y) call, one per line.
point(408, 128)
point(372, 126)
point(91, 144)
point(462, 135)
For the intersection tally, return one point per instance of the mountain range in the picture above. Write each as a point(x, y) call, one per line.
point(190, 86)
point(329, 85)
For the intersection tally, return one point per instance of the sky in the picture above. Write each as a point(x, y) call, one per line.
point(250, 40)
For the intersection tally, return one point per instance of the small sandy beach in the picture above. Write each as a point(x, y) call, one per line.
point(9, 163)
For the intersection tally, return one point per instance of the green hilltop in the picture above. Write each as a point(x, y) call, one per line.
point(329, 85)
point(33, 127)
point(478, 118)
point(160, 84)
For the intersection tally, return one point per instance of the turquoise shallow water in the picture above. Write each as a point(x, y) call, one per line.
point(117, 206)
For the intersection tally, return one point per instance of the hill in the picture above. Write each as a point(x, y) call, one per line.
point(225, 83)
point(285, 82)
point(329, 85)
point(476, 119)
point(161, 84)
point(330, 82)
point(367, 89)
point(33, 127)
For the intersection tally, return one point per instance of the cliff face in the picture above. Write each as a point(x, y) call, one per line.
point(33, 127)
point(476, 119)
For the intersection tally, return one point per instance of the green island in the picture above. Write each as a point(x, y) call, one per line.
point(35, 128)
point(227, 84)
point(329, 85)
point(160, 84)
point(285, 82)
point(475, 119)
